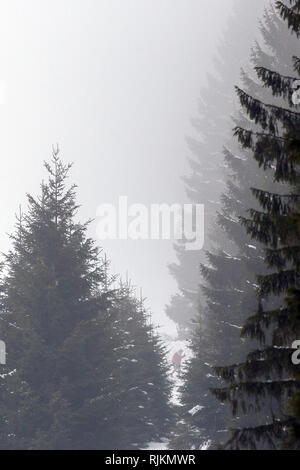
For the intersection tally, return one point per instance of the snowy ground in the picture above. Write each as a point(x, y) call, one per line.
point(158, 445)
point(173, 346)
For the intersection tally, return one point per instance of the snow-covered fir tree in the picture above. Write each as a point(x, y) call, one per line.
point(76, 346)
point(266, 381)
point(230, 273)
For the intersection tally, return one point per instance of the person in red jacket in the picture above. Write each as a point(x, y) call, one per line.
point(176, 361)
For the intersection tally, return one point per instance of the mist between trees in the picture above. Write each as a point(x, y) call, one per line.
point(82, 364)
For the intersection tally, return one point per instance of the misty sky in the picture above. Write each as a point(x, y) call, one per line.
point(115, 83)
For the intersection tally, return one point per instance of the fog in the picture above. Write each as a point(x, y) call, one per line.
point(115, 83)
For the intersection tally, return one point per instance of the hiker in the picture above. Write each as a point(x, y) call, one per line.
point(176, 361)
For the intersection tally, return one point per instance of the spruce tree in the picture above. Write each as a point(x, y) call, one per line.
point(293, 305)
point(229, 275)
point(265, 382)
point(145, 416)
point(66, 384)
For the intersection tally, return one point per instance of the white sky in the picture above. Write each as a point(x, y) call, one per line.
point(115, 82)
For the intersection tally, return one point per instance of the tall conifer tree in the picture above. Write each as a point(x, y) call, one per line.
point(229, 275)
point(266, 381)
point(70, 369)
